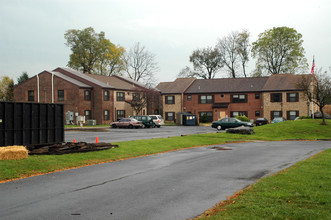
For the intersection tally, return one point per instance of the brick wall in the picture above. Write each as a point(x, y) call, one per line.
point(73, 96)
point(251, 106)
point(327, 109)
point(21, 90)
point(122, 105)
point(284, 106)
point(107, 105)
point(193, 105)
point(177, 107)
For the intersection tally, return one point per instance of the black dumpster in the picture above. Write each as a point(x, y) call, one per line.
point(31, 123)
point(184, 118)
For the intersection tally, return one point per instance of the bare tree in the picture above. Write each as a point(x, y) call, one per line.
point(140, 64)
point(234, 50)
point(186, 72)
point(228, 50)
point(139, 102)
point(154, 101)
point(243, 49)
point(317, 89)
point(146, 97)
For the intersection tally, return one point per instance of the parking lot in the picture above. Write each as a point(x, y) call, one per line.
point(125, 134)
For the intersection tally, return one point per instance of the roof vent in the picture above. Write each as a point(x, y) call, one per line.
point(199, 88)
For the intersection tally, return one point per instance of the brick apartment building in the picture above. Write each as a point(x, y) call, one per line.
point(282, 98)
point(101, 98)
point(173, 95)
point(218, 98)
point(254, 97)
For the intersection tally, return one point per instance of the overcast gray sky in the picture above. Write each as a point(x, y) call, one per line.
point(32, 31)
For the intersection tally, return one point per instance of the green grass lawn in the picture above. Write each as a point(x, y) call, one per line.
point(301, 192)
point(301, 129)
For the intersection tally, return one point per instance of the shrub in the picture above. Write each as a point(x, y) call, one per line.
point(204, 118)
point(304, 117)
point(242, 118)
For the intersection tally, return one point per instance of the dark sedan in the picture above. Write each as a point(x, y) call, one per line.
point(261, 121)
point(230, 123)
point(126, 123)
point(145, 120)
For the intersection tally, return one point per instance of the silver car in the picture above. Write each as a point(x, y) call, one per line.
point(158, 120)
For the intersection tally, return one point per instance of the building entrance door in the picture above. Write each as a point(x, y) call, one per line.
point(222, 114)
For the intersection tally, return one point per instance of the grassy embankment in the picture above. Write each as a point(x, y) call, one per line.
point(302, 129)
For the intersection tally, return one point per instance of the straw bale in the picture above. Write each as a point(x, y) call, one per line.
point(13, 153)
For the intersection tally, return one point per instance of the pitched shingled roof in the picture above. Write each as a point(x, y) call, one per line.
point(176, 87)
point(81, 75)
point(118, 82)
point(225, 85)
point(110, 82)
point(283, 82)
point(71, 80)
point(131, 81)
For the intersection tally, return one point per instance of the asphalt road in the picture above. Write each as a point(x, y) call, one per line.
point(111, 135)
point(174, 185)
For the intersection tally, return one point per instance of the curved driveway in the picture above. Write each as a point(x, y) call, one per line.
point(174, 185)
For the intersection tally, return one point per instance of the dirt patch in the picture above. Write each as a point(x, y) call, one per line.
point(68, 147)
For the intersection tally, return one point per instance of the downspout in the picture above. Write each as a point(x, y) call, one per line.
point(52, 87)
point(114, 108)
point(38, 88)
point(182, 102)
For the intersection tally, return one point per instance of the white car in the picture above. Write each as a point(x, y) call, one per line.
point(158, 120)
